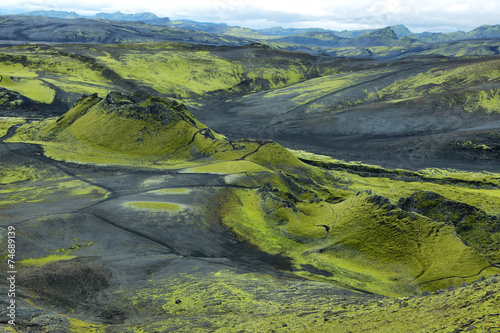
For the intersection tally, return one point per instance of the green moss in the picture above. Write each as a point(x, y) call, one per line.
point(8, 122)
point(487, 100)
point(229, 301)
point(155, 181)
point(39, 183)
point(363, 245)
point(7, 328)
point(228, 167)
point(29, 87)
point(37, 73)
point(150, 205)
point(18, 174)
point(314, 216)
point(80, 326)
point(446, 78)
point(305, 93)
point(140, 133)
point(479, 189)
point(60, 255)
point(152, 132)
point(45, 260)
point(184, 72)
point(167, 191)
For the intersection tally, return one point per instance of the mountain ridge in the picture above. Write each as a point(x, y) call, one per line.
point(401, 31)
point(146, 17)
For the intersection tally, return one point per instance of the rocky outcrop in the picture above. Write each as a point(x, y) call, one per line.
point(474, 226)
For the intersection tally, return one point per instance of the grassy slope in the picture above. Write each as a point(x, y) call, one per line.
point(442, 79)
point(316, 217)
point(8, 122)
point(227, 302)
point(42, 73)
point(147, 130)
point(471, 84)
point(190, 73)
point(370, 244)
point(20, 183)
point(186, 72)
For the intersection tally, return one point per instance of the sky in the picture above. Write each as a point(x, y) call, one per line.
point(417, 15)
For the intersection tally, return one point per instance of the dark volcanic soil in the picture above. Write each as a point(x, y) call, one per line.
point(410, 134)
point(121, 249)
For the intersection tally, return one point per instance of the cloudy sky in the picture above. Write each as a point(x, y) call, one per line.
point(418, 15)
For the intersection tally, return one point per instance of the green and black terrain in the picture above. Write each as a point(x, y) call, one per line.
point(172, 176)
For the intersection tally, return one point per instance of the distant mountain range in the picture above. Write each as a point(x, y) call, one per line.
point(145, 17)
point(486, 31)
point(16, 29)
point(385, 43)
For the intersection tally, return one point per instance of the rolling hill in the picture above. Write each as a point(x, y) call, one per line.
point(138, 184)
point(56, 75)
point(298, 183)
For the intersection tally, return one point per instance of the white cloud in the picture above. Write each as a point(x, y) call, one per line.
point(458, 7)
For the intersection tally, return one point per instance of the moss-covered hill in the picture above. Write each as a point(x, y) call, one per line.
point(178, 227)
point(141, 129)
point(55, 76)
point(49, 79)
point(329, 226)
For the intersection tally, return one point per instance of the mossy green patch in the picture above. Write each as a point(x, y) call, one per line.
point(174, 69)
point(447, 78)
point(158, 206)
point(39, 183)
point(229, 301)
point(219, 300)
point(167, 191)
point(18, 174)
point(155, 181)
point(148, 131)
point(358, 243)
point(310, 91)
point(322, 218)
point(38, 73)
point(188, 72)
point(228, 167)
point(479, 189)
point(80, 326)
point(16, 77)
point(141, 134)
point(45, 260)
point(60, 255)
point(29, 87)
point(8, 122)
